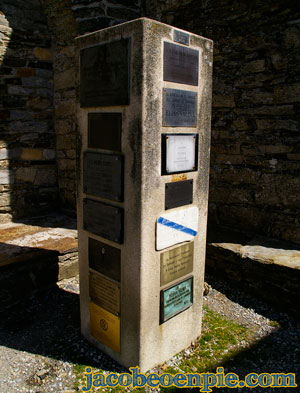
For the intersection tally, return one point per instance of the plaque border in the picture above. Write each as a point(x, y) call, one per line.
point(164, 153)
point(161, 313)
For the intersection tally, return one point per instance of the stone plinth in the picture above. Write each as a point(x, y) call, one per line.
point(144, 106)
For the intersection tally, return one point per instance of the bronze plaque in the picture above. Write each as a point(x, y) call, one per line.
point(175, 299)
point(104, 131)
point(105, 259)
point(181, 64)
point(179, 108)
point(178, 194)
point(103, 175)
point(176, 263)
point(105, 293)
point(181, 37)
point(103, 220)
point(104, 74)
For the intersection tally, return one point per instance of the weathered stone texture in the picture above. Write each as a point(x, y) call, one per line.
point(26, 110)
point(255, 149)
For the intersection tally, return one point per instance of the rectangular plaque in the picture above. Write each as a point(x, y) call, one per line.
point(181, 64)
point(181, 37)
point(179, 108)
point(104, 131)
point(105, 259)
point(103, 175)
point(176, 263)
point(103, 220)
point(105, 327)
point(178, 194)
point(104, 74)
point(179, 153)
point(176, 299)
point(105, 292)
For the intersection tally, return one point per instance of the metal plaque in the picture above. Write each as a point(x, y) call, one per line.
point(181, 37)
point(103, 220)
point(179, 108)
point(179, 153)
point(105, 292)
point(105, 327)
point(178, 194)
point(181, 64)
point(176, 299)
point(104, 131)
point(105, 259)
point(104, 74)
point(176, 263)
point(103, 175)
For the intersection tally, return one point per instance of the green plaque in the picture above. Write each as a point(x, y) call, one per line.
point(176, 299)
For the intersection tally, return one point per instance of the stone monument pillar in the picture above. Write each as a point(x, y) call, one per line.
point(144, 109)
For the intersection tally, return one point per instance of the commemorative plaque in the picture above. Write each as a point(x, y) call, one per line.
point(104, 74)
point(178, 194)
point(179, 153)
point(103, 175)
point(103, 220)
point(104, 131)
point(176, 263)
point(105, 292)
point(105, 259)
point(179, 108)
point(181, 37)
point(181, 64)
point(176, 299)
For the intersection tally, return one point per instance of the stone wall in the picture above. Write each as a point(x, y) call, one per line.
point(255, 154)
point(27, 139)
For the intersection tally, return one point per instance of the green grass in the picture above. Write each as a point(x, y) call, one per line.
point(217, 344)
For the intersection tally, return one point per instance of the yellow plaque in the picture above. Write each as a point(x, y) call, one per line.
point(179, 177)
point(105, 327)
point(176, 263)
point(105, 292)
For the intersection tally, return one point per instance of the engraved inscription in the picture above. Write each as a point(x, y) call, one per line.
point(181, 37)
point(104, 74)
point(181, 64)
point(105, 293)
point(176, 263)
point(105, 259)
point(176, 299)
point(103, 220)
point(179, 108)
point(103, 175)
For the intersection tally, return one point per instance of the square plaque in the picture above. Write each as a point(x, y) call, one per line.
point(176, 263)
point(178, 194)
point(104, 74)
point(181, 64)
point(103, 175)
point(105, 327)
point(179, 108)
point(103, 220)
point(104, 131)
point(105, 259)
point(175, 299)
point(179, 153)
point(105, 292)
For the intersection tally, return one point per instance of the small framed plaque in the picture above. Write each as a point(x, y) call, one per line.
point(105, 259)
point(179, 153)
point(175, 299)
point(179, 108)
point(105, 292)
point(181, 37)
point(178, 193)
point(104, 131)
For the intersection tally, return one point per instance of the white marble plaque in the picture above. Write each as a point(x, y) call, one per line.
point(180, 153)
point(176, 227)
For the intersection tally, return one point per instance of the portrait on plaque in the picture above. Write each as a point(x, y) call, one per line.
point(105, 259)
point(176, 263)
point(104, 130)
point(103, 175)
point(179, 108)
point(105, 292)
point(104, 74)
point(179, 153)
point(175, 299)
point(181, 64)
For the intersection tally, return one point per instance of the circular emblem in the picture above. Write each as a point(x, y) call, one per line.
point(103, 324)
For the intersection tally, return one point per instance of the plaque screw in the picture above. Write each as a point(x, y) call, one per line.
point(103, 251)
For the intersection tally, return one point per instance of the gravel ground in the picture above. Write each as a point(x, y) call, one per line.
point(40, 340)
